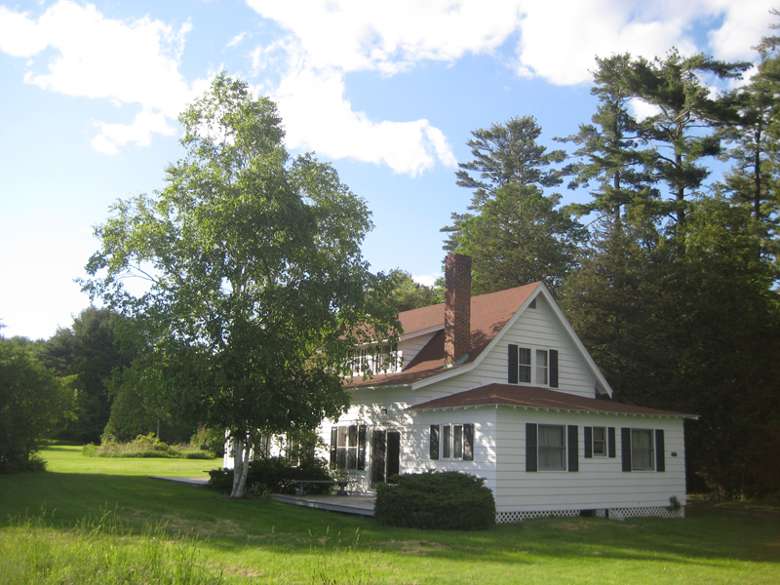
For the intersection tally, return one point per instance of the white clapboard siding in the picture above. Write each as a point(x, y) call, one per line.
point(388, 409)
point(600, 481)
point(537, 328)
point(411, 347)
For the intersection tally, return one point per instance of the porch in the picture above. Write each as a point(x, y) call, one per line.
point(360, 505)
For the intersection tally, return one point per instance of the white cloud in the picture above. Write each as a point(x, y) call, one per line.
point(744, 24)
point(426, 279)
point(126, 62)
point(642, 109)
point(112, 137)
point(557, 40)
point(19, 34)
point(236, 40)
point(318, 116)
point(389, 36)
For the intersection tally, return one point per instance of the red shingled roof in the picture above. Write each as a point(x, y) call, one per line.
point(489, 313)
point(538, 398)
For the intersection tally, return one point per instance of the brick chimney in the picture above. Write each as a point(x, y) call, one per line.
point(457, 307)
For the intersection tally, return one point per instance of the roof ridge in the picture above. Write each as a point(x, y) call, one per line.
point(495, 292)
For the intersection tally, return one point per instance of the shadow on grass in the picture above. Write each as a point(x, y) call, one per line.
point(64, 501)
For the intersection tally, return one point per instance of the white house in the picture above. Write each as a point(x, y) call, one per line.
point(500, 386)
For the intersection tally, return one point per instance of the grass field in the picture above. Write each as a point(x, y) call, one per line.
point(94, 520)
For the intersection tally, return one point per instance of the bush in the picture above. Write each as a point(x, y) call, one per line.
point(143, 446)
point(277, 475)
point(448, 500)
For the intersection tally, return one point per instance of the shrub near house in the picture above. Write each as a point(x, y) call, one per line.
point(449, 500)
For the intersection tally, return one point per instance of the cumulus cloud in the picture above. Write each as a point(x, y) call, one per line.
point(85, 54)
point(330, 125)
point(556, 40)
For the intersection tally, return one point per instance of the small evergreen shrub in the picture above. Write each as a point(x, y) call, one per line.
point(276, 475)
point(445, 500)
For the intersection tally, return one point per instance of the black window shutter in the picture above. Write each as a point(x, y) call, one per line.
point(361, 464)
point(433, 442)
point(468, 442)
point(660, 455)
point(588, 438)
point(530, 447)
point(611, 441)
point(625, 448)
point(512, 361)
point(554, 368)
point(333, 439)
point(574, 448)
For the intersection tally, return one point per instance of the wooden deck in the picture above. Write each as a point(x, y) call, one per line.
point(359, 505)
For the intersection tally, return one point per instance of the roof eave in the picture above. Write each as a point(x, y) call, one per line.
point(557, 409)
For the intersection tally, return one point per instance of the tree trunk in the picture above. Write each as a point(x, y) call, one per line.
point(757, 173)
point(241, 450)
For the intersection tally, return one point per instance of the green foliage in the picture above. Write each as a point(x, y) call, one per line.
point(520, 236)
point(148, 445)
point(209, 439)
point(276, 475)
point(680, 136)
point(254, 268)
point(31, 404)
point(407, 294)
point(98, 344)
point(607, 159)
point(447, 500)
point(506, 153)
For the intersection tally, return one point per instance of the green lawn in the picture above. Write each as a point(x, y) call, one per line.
point(97, 520)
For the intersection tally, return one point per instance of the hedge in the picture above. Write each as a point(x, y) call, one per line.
point(277, 475)
point(446, 500)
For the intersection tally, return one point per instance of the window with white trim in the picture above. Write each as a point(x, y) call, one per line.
point(524, 365)
point(348, 447)
point(542, 367)
point(457, 441)
point(642, 450)
point(599, 441)
point(552, 447)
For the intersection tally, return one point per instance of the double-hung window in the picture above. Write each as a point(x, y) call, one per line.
point(642, 451)
point(455, 440)
point(542, 368)
point(552, 448)
point(532, 366)
point(600, 441)
point(524, 365)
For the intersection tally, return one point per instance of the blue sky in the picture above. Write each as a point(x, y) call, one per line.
point(388, 91)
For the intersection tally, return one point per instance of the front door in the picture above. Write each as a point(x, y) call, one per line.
point(378, 459)
point(385, 455)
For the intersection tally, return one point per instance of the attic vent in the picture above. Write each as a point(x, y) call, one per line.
point(532, 304)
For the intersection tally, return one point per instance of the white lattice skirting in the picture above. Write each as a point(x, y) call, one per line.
point(512, 517)
point(613, 513)
point(646, 512)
